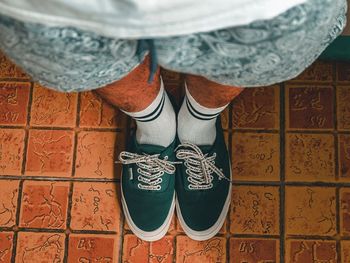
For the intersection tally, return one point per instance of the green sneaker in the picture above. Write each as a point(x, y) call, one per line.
point(203, 187)
point(148, 189)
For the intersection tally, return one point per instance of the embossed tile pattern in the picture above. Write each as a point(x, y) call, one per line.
point(14, 98)
point(254, 250)
point(8, 202)
point(52, 108)
point(302, 251)
point(255, 157)
point(343, 107)
point(212, 250)
point(290, 151)
point(50, 153)
point(95, 207)
point(310, 157)
point(44, 204)
point(96, 113)
point(255, 210)
point(40, 247)
point(96, 154)
point(310, 211)
point(309, 107)
point(9, 70)
point(93, 248)
point(11, 151)
point(257, 109)
point(6, 246)
point(137, 250)
point(345, 251)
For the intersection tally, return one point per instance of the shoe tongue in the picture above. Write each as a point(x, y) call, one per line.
point(206, 148)
point(150, 149)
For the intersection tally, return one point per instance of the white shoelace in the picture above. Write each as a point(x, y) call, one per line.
point(200, 167)
point(150, 167)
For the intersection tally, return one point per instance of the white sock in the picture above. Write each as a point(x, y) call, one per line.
point(157, 123)
point(196, 123)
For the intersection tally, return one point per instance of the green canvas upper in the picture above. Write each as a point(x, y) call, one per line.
point(148, 208)
point(201, 209)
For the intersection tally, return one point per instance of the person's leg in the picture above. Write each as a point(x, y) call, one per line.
point(204, 101)
point(147, 103)
point(147, 180)
point(132, 93)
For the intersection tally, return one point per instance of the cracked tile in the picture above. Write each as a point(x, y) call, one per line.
point(162, 251)
point(93, 248)
point(256, 108)
point(301, 251)
point(95, 113)
point(254, 210)
point(44, 205)
point(344, 204)
point(310, 211)
point(136, 250)
point(14, 98)
point(309, 107)
point(343, 108)
point(40, 247)
point(253, 250)
point(6, 246)
point(49, 153)
point(191, 251)
point(8, 203)
point(97, 153)
point(53, 108)
point(255, 157)
point(310, 157)
point(10, 70)
point(11, 151)
point(95, 206)
point(319, 71)
point(345, 251)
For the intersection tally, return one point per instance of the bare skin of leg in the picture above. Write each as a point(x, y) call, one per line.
point(210, 94)
point(132, 93)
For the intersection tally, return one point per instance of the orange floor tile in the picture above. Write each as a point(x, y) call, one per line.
point(290, 152)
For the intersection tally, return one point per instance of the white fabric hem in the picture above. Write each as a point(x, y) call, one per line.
point(143, 28)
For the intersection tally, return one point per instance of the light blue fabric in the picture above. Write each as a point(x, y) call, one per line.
point(261, 53)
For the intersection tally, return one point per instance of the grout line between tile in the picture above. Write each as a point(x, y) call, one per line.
point(337, 218)
point(68, 220)
point(282, 172)
point(62, 128)
point(16, 228)
point(64, 179)
point(14, 246)
point(236, 182)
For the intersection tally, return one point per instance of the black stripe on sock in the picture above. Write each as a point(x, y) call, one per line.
point(198, 115)
point(155, 112)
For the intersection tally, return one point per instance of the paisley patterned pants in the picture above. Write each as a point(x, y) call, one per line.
point(261, 53)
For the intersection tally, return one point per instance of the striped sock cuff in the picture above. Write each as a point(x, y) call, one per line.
point(155, 113)
point(153, 110)
point(200, 112)
point(197, 114)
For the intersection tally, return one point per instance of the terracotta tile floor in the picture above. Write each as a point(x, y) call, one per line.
point(290, 147)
